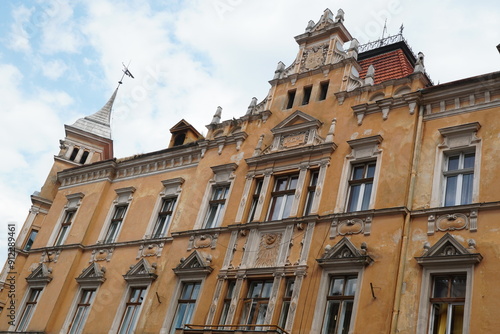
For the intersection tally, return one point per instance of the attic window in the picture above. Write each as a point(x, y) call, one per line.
point(323, 89)
point(307, 95)
point(291, 97)
point(179, 139)
point(74, 154)
point(85, 155)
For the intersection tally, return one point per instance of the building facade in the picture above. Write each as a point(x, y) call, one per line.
point(357, 197)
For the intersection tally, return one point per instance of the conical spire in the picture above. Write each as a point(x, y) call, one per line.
point(99, 122)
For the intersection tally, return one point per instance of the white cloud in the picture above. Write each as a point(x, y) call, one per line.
point(18, 39)
point(54, 69)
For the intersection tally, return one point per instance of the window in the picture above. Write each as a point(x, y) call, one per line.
point(447, 304)
point(31, 239)
point(287, 298)
point(74, 153)
point(82, 311)
point(227, 302)
point(116, 223)
point(459, 177)
point(29, 308)
point(282, 197)
point(255, 305)
point(307, 95)
point(360, 186)
point(132, 309)
point(291, 97)
point(65, 225)
point(340, 301)
point(323, 89)
point(164, 217)
point(185, 305)
point(216, 206)
point(311, 191)
point(255, 200)
point(85, 156)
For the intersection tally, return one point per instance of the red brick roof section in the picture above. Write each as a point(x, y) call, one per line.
point(388, 66)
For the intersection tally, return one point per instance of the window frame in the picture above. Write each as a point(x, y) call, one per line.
point(321, 303)
point(136, 306)
point(362, 182)
point(25, 303)
point(314, 180)
point(306, 98)
point(26, 247)
point(286, 301)
point(323, 90)
point(75, 308)
point(116, 222)
point(218, 204)
point(425, 310)
point(66, 220)
point(288, 195)
point(164, 217)
point(226, 302)
point(343, 299)
point(124, 199)
point(64, 227)
point(459, 173)
point(459, 138)
point(120, 312)
point(250, 316)
point(290, 98)
point(190, 301)
point(257, 191)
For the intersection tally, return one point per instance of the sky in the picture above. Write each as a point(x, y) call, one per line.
point(61, 60)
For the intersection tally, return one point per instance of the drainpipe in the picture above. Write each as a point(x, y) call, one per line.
point(406, 227)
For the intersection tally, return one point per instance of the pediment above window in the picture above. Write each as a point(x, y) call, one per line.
point(93, 274)
point(143, 271)
point(194, 265)
point(448, 251)
point(41, 275)
point(345, 253)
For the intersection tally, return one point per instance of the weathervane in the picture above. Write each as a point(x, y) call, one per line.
point(125, 72)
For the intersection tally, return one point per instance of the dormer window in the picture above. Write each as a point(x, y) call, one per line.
point(179, 139)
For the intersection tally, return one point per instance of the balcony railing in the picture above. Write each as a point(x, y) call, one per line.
point(231, 329)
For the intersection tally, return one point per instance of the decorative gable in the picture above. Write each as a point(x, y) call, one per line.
point(183, 133)
point(448, 251)
point(141, 272)
point(297, 130)
point(345, 253)
point(193, 265)
point(92, 275)
point(41, 275)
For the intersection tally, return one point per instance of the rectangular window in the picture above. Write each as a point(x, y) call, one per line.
point(323, 89)
point(447, 304)
point(255, 200)
point(339, 306)
point(227, 302)
point(287, 298)
point(255, 305)
point(116, 223)
point(31, 239)
point(291, 97)
point(185, 305)
point(360, 186)
point(29, 309)
point(311, 191)
point(65, 225)
point(282, 197)
point(216, 206)
point(459, 176)
point(82, 311)
point(132, 308)
point(307, 95)
point(164, 217)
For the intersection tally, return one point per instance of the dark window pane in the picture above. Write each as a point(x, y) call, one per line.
point(440, 287)
point(453, 162)
point(451, 190)
point(469, 160)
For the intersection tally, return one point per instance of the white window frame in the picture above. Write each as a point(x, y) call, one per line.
point(124, 198)
point(223, 175)
point(363, 150)
point(23, 307)
point(172, 188)
point(172, 308)
point(456, 139)
point(123, 304)
point(74, 307)
point(321, 303)
point(424, 310)
point(73, 204)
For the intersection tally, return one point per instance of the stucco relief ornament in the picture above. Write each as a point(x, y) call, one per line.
point(268, 250)
point(314, 57)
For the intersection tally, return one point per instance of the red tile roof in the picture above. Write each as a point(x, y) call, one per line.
point(389, 65)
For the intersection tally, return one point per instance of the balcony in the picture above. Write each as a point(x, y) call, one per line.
point(231, 329)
